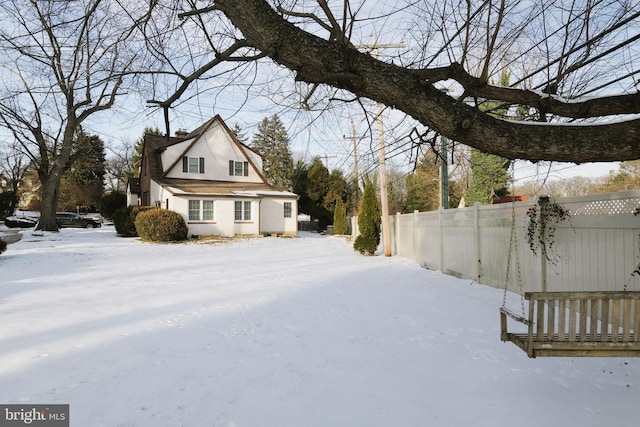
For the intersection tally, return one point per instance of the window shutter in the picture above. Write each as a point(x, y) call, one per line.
point(231, 167)
point(201, 164)
point(185, 164)
point(246, 168)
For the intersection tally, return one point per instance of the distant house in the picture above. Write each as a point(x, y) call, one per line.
point(215, 182)
point(508, 199)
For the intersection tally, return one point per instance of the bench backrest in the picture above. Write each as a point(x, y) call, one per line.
point(585, 316)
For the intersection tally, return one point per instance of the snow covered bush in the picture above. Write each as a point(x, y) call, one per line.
point(161, 225)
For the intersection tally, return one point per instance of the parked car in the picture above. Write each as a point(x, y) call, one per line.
point(70, 219)
point(15, 221)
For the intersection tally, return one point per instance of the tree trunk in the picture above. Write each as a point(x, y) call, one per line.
point(50, 186)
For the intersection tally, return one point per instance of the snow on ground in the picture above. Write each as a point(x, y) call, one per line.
point(275, 332)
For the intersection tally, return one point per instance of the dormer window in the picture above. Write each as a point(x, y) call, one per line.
point(238, 168)
point(193, 164)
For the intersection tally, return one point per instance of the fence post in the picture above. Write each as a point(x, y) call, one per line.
point(397, 225)
point(440, 227)
point(354, 227)
point(416, 238)
point(476, 236)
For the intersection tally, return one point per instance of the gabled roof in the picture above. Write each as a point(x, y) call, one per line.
point(156, 144)
point(134, 185)
point(196, 134)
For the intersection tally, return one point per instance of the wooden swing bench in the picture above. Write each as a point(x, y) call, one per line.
point(578, 324)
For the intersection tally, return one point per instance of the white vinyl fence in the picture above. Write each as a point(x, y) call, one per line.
point(595, 249)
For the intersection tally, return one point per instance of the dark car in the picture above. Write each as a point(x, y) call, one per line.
point(70, 219)
point(20, 221)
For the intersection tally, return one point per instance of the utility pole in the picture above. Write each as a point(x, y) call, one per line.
point(355, 161)
point(355, 138)
point(384, 198)
point(326, 160)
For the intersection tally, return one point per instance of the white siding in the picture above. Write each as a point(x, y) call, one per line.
point(272, 218)
point(217, 148)
point(224, 223)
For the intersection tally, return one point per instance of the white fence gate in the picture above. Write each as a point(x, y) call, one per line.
point(595, 249)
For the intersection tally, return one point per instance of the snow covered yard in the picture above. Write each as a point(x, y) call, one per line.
point(275, 332)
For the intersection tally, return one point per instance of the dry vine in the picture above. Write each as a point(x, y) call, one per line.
point(544, 218)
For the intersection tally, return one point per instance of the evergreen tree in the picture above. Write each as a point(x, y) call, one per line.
point(490, 177)
point(319, 180)
point(272, 142)
point(340, 218)
point(318, 185)
point(490, 173)
point(82, 184)
point(337, 190)
point(319, 190)
point(300, 179)
point(368, 222)
point(237, 131)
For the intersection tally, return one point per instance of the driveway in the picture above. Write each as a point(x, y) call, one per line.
point(10, 236)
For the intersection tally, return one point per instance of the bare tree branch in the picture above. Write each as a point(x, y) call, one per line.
point(69, 62)
point(318, 61)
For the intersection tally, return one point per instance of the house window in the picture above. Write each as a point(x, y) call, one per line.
point(207, 210)
point(200, 210)
point(238, 168)
point(193, 164)
point(194, 210)
point(242, 211)
point(287, 209)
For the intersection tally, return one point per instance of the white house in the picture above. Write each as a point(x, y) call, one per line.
point(215, 182)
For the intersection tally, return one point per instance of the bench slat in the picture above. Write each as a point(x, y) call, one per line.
point(636, 322)
point(615, 322)
point(583, 320)
point(540, 318)
point(604, 319)
point(593, 327)
point(626, 320)
point(572, 319)
point(562, 319)
point(613, 327)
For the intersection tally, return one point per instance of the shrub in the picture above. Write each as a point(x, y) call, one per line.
point(3, 246)
point(340, 218)
point(161, 225)
point(368, 222)
point(110, 203)
point(124, 219)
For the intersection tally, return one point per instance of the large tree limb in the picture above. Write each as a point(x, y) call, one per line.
point(594, 107)
point(327, 62)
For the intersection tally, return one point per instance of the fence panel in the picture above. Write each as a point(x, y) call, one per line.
point(595, 249)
